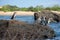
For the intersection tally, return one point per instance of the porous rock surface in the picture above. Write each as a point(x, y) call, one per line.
point(48, 14)
point(18, 30)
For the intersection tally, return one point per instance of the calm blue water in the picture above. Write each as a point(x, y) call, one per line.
point(30, 19)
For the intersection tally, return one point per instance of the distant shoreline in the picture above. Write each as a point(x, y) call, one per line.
point(18, 13)
point(21, 13)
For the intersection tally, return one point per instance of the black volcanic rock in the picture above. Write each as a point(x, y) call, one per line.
point(18, 30)
point(48, 14)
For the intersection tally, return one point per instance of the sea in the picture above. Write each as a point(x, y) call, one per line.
point(30, 19)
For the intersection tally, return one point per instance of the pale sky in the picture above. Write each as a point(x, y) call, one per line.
point(27, 3)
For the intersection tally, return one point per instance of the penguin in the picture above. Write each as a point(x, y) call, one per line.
point(13, 16)
point(38, 20)
point(36, 16)
point(43, 20)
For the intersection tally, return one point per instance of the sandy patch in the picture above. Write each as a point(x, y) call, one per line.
point(22, 13)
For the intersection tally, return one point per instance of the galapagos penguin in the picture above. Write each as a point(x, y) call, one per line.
point(13, 15)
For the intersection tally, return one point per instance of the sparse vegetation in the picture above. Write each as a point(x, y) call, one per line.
point(31, 8)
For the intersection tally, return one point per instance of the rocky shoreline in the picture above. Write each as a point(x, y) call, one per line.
point(45, 17)
point(18, 30)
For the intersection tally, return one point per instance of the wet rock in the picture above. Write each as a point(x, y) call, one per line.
point(18, 30)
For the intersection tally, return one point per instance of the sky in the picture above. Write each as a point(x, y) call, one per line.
point(28, 3)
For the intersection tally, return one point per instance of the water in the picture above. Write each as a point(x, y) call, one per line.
point(56, 27)
point(30, 19)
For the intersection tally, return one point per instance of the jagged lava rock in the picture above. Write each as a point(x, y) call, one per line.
point(48, 14)
point(18, 30)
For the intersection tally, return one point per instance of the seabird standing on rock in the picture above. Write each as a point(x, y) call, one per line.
point(36, 16)
point(13, 16)
point(38, 20)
